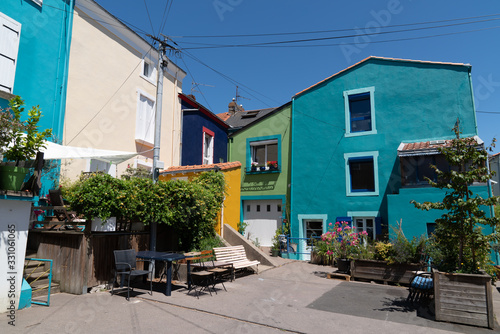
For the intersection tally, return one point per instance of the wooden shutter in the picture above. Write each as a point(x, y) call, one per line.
point(10, 32)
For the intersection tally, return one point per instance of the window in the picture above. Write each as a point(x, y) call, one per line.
point(145, 119)
point(208, 146)
point(148, 71)
point(313, 229)
point(94, 165)
point(10, 31)
point(268, 208)
point(38, 2)
point(264, 151)
point(361, 173)
point(279, 208)
point(248, 208)
point(258, 208)
point(415, 169)
point(366, 224)
point(360, 111)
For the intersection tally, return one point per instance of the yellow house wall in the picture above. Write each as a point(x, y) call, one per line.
point(103, 90)
point(231, 205)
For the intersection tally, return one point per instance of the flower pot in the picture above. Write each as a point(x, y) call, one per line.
point(344, 265)
point(275, 252)
point(12, 177)
point(464, 298)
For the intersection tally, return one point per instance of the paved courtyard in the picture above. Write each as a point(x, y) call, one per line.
point(293, 298)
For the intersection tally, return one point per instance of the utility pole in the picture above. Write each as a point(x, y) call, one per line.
point(162, 63)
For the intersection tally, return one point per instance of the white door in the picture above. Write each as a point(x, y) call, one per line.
point(263, 218)
point(311, 228)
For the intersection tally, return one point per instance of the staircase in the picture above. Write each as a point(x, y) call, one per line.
point(36, 274)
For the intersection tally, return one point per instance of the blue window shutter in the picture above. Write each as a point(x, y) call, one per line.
point(378, 225)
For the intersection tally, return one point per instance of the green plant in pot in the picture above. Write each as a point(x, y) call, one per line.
point(19, 142)
point(275, 249)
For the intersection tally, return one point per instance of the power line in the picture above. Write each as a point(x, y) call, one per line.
point(191, 74)
point(327, 31)
point(149, 17)
point(350, 43)
point(234, 82)
point(165, 14)
point(275, 43)
point(105, 104)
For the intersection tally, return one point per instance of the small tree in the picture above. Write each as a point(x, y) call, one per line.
point(20, 140)
point(458, 234)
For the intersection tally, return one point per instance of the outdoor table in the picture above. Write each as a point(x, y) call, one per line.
point(166, 257)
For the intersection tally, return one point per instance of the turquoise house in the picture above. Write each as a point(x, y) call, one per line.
point(362, 142)
point(35, 40)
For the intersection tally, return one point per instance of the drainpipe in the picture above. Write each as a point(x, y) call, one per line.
point(62, 103)
point(472, 98)
point(290, 169)
point(492, 211)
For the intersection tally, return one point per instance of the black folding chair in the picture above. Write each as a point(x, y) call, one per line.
point(125, 265)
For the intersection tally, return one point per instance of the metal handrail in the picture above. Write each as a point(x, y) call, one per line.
point(47, 303)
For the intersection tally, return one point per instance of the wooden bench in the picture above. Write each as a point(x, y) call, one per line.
point(236, 256)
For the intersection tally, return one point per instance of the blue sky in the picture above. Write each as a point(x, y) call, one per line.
point(269, 75)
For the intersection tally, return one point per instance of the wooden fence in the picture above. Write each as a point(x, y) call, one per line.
point(83, 260)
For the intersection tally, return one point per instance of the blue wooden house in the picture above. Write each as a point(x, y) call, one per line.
point(362, 142)
point(204, 135)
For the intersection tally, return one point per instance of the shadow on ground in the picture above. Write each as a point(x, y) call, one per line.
point(386, 303)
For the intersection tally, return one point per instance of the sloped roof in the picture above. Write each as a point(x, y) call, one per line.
point(244, 118)
point(203, 110)
point(427, 147)
point(381, 58)
point(201, 168)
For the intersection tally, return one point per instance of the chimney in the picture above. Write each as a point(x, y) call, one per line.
point(232, 107)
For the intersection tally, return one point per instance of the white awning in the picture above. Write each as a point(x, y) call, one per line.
point(56, 151)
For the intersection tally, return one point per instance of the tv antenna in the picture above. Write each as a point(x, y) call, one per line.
point(195, 85)
point(239, 96)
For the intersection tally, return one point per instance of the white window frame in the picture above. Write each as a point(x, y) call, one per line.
point(9, 47)
point(208, 155)
point(364, 215)
point(153, 72)
point(347, 93)
point(265, 143)
point(96, 165)
point(347, 156)
point(145, 124)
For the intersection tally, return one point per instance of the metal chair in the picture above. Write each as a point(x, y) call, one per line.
point(125, 264)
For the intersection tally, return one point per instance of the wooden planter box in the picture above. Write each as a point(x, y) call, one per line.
point(381, 271)
point(463, 298)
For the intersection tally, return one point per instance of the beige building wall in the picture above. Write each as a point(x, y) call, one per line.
point(105, 81)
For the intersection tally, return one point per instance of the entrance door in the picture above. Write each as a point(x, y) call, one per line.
point(313, 228)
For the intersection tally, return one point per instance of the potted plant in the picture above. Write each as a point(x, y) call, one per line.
point(394, 261)
point(97, 198)
point(275, 249)
point(254, 166)
point(272, 165)
point(19, 142)
point(462, 249)
point(344, 242)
